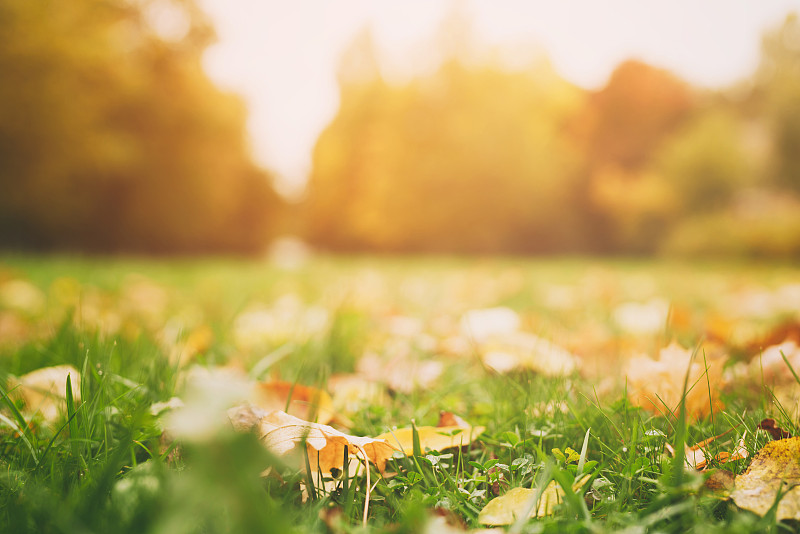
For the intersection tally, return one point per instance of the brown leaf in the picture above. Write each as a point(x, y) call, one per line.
point(450, 419)
point(768, 425)
point(775, 468)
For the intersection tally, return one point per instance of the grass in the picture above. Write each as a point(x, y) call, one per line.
point(106, 465)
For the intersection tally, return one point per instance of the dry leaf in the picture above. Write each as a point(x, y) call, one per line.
point(769, 426)
point(775, 468)
point(451, 419)
point(695, 456)
point(720, 481)
point(281, 432)
point(432, 438)
point(308, 403)
point(657, 385)
point(507, 509)
point(44, 390)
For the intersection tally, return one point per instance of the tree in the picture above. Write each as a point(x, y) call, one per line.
point(113, 138)
point(777, 86)
point(469, 159)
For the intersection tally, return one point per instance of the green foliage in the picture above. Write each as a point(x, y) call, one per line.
point(705, 162)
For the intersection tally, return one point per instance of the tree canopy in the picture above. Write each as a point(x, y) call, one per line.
point(112, 138)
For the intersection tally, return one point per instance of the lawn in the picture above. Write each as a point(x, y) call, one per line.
point(578, 387)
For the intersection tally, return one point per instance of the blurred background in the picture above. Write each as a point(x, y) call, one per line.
point(455, 127)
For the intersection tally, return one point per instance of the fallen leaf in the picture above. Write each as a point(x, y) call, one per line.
point(281, 432)
point(432, 438)
point(522, 350)
point(246, 417)
point(505, 510)
point(44, 390)
point(305, 402)
point(695, 456)
point(775, 468)
point(451, 419)
point(22, 296)
point(482, 324)
point(769, 426)
point(720, 481)
point(657, 385)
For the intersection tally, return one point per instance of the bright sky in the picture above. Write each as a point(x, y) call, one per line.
point(282, 55)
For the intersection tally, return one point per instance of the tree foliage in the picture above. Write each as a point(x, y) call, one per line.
point(479, 158)
point(468, 159)
point(112, 138)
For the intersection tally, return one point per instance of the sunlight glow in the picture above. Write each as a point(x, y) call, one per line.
point(282, 56)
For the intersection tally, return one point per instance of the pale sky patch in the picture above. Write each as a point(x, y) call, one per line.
point(281, 56)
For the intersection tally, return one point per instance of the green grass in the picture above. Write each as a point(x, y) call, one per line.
point(105, 465)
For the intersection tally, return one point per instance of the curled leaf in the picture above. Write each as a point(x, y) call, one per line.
point(281, 432)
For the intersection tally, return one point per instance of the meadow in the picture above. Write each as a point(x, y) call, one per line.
point(594, 385)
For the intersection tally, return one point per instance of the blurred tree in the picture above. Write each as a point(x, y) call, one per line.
point(113, 138)
point(469, 159)
point(620, 129)
point(705, 162)
point(777, 88)
point(625, 121)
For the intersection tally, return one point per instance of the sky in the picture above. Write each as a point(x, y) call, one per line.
point(281, 56)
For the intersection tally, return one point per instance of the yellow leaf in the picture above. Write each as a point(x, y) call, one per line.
point(281, 432)
point(506, 509)
point(775, 468)
point(435, 438)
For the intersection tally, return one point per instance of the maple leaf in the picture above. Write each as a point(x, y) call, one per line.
point(775, 468)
